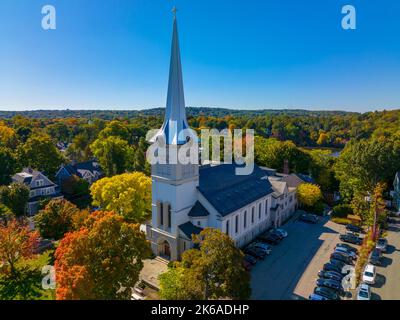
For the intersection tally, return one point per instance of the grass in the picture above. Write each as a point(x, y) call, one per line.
point(343, 221)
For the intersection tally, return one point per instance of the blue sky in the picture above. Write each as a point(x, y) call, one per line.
point(247, 54)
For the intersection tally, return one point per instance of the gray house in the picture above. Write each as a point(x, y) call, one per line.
point(40, 187)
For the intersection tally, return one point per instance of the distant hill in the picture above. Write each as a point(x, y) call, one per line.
point(191, 111)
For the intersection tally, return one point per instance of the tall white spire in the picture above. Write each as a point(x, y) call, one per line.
point(175, 116)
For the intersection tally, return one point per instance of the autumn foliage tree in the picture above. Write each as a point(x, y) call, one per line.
point(102, 260)
point(213, 271)
point(309, 194)
point(128, 194)
point(56, 219)
point(16, 242)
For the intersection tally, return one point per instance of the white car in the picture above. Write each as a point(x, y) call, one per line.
point(364, 292)
point(369, 274)
point(282, 232)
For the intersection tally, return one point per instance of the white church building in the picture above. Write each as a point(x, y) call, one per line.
point(186, 198)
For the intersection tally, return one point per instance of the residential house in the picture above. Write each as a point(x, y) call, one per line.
point(89, 171)
point(40, 187)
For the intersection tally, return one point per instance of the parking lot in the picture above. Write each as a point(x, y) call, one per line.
point(290, 271)
point(387, 286)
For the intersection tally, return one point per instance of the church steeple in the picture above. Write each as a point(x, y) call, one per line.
point(175, 115)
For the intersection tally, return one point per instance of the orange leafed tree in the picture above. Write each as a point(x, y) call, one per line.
point(100, 259)
point(16, 242)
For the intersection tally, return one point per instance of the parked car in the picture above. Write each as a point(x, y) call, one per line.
point(332, 275)
point(327, 293)
point(282, 232)
point(266, 247)
point(342, 257)
point(331, 284)
point(351, 254)
point(364, 292)
point(250, 259)
point(308, 218)
point(317, 297)
point(353, 228)
point(369, 274)
point(269, 238)
point(264, 250)
point(277, 234)
point(350, 238)
point(338, 263)
point(347, 247)
point(382, 244)
point(256, 253)
point(332, 267)
point(376, 257)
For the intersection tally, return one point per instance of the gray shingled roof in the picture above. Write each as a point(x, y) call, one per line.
point(228, 192)
point(189, 228)
point(198, 211)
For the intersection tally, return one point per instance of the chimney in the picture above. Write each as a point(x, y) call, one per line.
point(286, 166)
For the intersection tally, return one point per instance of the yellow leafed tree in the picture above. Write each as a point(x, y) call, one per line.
point(309, 194)
point(128, 194)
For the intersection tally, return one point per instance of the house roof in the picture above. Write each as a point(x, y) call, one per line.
point(305, 178)
point(292, 180)
point(228, 192)
point(198, 211)
point(278, 187)
point(78, 168)
point(189, 228)
point(27, 175)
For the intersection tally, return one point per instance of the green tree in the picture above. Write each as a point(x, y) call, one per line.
point(213, 271)
point(309, 194)
point(56, 219)
point(15, 197)
point(113, 153)
point(363, 164)
point(40, 153)
point(8, 165)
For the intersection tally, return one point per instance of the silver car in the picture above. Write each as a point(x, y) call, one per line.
point(364, 292)
point(382, 244)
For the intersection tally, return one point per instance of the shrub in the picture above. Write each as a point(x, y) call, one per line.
point(342, 211)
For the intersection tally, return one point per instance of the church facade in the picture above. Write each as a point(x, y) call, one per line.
point(186, 198)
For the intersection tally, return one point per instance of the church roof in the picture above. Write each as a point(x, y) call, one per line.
point(189, 228)
point(198, 211)
point(228, 192)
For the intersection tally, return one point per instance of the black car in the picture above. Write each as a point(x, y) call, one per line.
point(332, 275)
point(276, 234)
point(347, 247)
point(308, 218)
point(327, 293)
point(269, 238)
point(250, 259)
point(350, 238)
point(337, 263)
point(331, 284)
point(256, 253)
point(353, 228)
point(376, 257)
point(342, 257)
point(331, 267)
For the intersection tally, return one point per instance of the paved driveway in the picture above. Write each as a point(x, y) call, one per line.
point(290, 271)
point(387, 285)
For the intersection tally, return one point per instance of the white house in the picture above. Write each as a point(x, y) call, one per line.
point(40, 187)
point(187, 198)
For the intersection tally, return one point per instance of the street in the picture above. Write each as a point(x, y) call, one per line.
point(290, 271)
